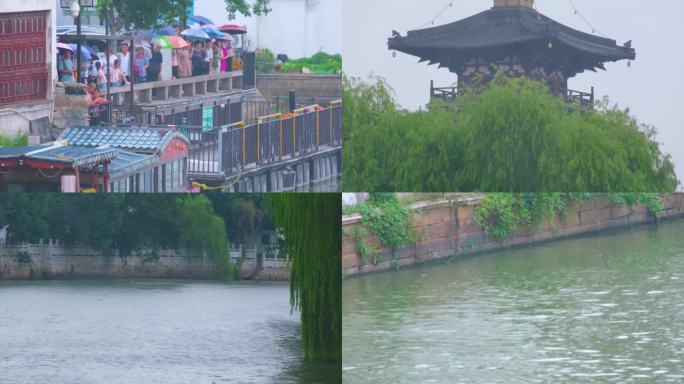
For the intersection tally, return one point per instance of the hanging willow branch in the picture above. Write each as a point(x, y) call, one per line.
point(313, 236)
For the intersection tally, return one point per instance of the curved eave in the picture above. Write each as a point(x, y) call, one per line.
point(169, 137)
point(132, 167)
point(504, 28)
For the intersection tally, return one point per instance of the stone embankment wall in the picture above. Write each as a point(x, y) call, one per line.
point(60, 262)
point(448, 228)
point(313, 86)
point(51, 261)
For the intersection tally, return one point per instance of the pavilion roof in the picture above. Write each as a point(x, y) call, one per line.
point(509, 28)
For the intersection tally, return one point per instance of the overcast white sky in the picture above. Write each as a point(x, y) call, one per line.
point(653, 87)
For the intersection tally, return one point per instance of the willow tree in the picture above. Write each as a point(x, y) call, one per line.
point(311, 225)
point(511, 135)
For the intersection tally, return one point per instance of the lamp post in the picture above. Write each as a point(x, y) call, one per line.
point(74, 7)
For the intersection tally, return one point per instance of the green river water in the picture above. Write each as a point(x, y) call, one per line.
point(152, 331)
point(599, 309)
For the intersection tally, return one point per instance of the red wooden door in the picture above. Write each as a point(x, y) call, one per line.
point(23, 52)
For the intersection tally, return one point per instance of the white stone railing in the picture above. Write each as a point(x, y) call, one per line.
point(186, 87)
point(250, 258)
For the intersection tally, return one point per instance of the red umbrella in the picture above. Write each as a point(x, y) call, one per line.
point(233, 29)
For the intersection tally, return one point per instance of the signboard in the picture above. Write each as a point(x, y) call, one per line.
point(207, 118)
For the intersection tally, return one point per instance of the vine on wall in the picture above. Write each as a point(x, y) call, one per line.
point(388, 219)
point(501, 214)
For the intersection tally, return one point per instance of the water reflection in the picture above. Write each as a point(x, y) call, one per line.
point(596, 309)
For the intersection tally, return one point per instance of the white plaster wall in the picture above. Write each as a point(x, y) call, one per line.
point(15, 119)
point(296, 28)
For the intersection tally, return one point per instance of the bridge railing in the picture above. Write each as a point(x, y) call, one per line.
point(217, 152)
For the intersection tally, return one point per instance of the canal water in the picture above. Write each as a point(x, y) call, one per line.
point(152, 331)
point(599, 309)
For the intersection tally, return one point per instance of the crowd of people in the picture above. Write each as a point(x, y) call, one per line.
point(195, 59)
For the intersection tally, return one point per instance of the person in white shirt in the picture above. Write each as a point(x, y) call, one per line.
point(108, 62)
point(125, 60)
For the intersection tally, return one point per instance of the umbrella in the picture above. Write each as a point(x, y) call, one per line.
point(146, 50)
point(212, 31)
point(168, 31)
point(177, 42)
point(195, 34)
point(162, 41)
point(225, 37)
point(233, 29)
point(64, 46)
point(85, 53)
point(201, 20)
point(93, 51)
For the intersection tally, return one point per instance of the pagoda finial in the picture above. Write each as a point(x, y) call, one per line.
point(514, 3)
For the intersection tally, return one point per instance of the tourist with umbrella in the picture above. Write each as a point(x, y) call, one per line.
point(184, 63)
point(85, 59)
point(216, 58)
point(228, 54)
point(199, 55)
point(65, 65)
point(234, 30)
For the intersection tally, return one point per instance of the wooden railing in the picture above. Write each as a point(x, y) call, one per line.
point(583, 98)
point(450, 94)
point(447, 94)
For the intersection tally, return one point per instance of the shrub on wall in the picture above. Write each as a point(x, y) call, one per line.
point(501, 214)
point(388, 219)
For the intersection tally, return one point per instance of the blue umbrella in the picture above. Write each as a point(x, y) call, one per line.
point(85, 53)
point(201, 20)
point(213, 33)
point(168, 31)
point(195, 34)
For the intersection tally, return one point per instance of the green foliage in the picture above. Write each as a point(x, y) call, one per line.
point(265, 60)
point(318, 63)
point(361, 249)
point(496, 214)
point(501, 214)
point(512, 136)
point(117, 221)
point(155, 13)
point(390, 221)
point(23, 257)
point(313, 235)
point(17, 141)
point(206, 231)
point(243, 213)
point(381, 198)
point(651, 200)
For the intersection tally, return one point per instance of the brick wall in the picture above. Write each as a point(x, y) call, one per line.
point(447, 228)
point(314, 86)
